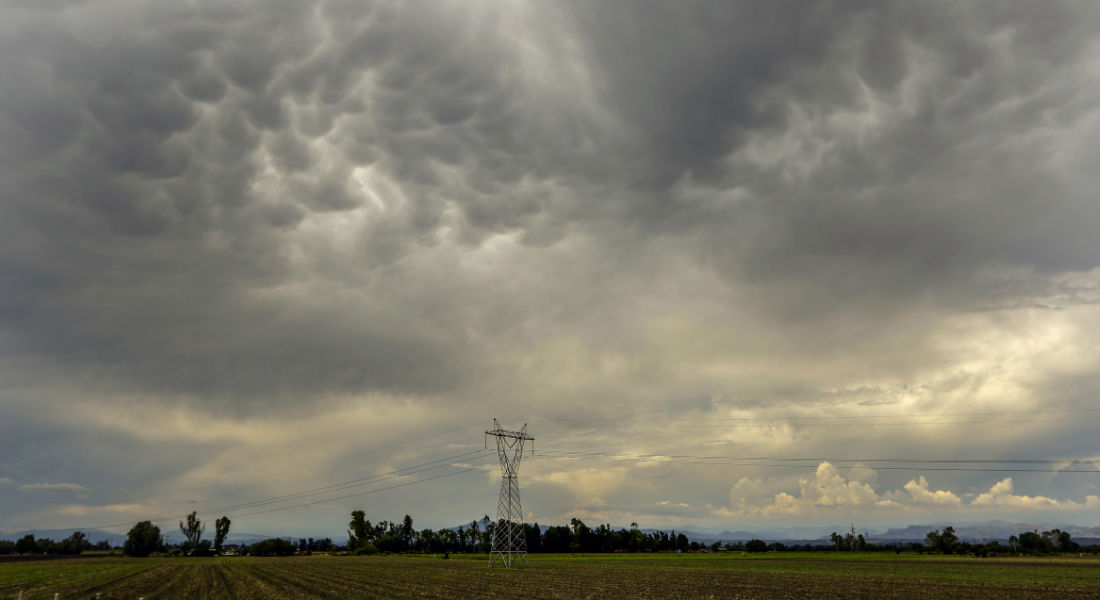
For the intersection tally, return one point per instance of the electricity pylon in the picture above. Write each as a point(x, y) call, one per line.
point(509, 543)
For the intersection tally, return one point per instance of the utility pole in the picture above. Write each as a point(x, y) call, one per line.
point(508, 541)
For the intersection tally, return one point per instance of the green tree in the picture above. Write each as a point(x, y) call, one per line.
point(272, 547)
point(850, 539)
point(944, 542)
point(1060, 541)
point(582, 535)
point(387, 543)
point(428, 541)
point(192, 531)
point(486, 533)
point(203, 548)
point(26, 544)
point(47, 546)
point(143, 539)
point(1031, 542)
point(475, 536)
point(756, 546)
point(75, 543)
point(360, 532)
point(634, 539)
point(557, 538)
point(932, 539)
point(406, 532)
point(221, 530)
point(948, 540)
point(682, 542)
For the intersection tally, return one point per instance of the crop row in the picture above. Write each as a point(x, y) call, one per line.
point(321, 578)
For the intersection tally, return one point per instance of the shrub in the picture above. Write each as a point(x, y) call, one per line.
point(366, 548)
point(387, 543)
point(272, 547)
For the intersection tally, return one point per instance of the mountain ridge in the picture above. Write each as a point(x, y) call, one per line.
point(979, 532)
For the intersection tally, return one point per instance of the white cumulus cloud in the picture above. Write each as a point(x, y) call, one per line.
point(830, 491)
point(1002, 494)
point(920, 494)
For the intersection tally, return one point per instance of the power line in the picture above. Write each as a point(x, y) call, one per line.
point(937, 414)
point(782, 422)
point(817, 419)
point(918, 465)
point(902, 464)
point(323, 489)
point(436, 434)
point(336, 487)
point(350, 483)
point(361, 482)
point(833, 459)
point(375, 491)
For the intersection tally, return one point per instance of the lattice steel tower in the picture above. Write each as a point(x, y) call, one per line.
point(509, 544)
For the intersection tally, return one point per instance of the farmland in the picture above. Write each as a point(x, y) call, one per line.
point(724, 575)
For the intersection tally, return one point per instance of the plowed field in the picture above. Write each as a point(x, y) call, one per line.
point(729, 575)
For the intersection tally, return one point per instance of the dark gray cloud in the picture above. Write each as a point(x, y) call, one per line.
point(693, 209)
point(909, 151)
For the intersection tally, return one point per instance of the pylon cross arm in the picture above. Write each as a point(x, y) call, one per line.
point(503, 433)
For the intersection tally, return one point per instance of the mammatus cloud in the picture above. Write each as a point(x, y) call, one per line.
point(330, 173)
point(265, 248)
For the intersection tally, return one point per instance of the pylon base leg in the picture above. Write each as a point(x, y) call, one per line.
point(508, 559)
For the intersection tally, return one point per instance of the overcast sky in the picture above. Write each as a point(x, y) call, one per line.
point(249, 249)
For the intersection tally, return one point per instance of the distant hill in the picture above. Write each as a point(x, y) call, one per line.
point(117, 539)
point(175, 537)
point(93, 535)
point(984, 532)
point(968, 532)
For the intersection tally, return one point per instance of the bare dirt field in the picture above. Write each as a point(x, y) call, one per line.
point(723, 575)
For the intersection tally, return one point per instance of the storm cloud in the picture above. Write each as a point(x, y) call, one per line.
point(244, 224)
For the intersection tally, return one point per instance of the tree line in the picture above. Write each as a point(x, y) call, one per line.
point(145, 538)
point(476, 537)
point(365, 537)
point(947, 542)
point(1054, 541)
point(76, 543)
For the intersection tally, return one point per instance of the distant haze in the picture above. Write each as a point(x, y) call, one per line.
point(736, 264)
